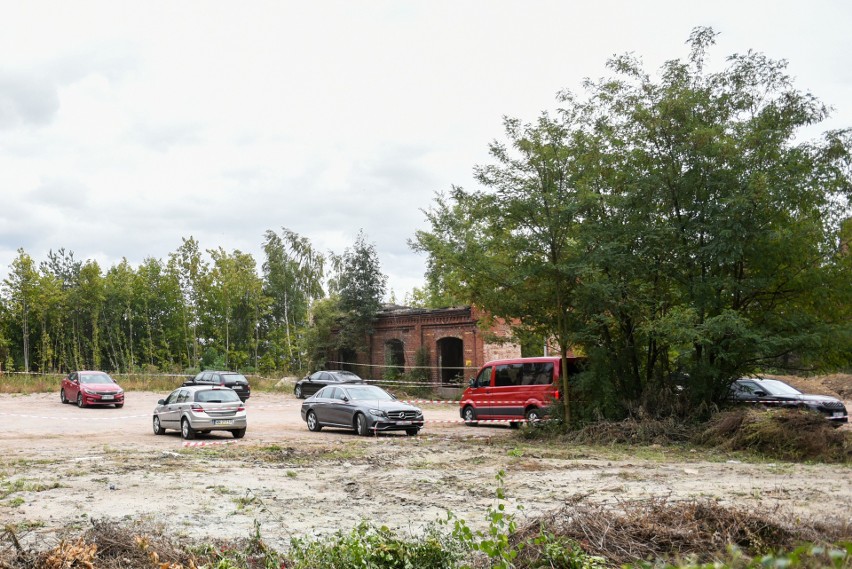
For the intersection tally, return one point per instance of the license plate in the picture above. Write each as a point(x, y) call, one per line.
point(837, 414)
point(403, 422)
point(223, 421)
point(106, 397)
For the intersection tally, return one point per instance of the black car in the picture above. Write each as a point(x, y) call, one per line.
point(232, 379)
point(775, 393)
point(307, 386)
point(366, 409)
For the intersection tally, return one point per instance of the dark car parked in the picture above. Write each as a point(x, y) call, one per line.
point(307, 386)
point(775, 393)
point(231, 379)
point(363, 408)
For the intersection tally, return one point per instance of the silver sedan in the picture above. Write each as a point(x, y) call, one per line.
point(201, 409)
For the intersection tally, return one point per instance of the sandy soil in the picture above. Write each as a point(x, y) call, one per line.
point(63, 466)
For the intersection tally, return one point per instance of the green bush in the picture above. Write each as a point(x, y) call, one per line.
point(370, 547)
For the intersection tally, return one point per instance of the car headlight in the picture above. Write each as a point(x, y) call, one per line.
point(87, 391)
point(378, 413)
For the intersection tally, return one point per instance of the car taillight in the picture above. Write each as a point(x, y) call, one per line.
point(197, 408)
point(241, 408)
point(557, 394)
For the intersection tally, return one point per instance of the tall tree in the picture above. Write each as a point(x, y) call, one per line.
point(696, 230)
point(362, 287)
point(20, 288)
point(293, 275)
point(513, 248)
point(190, 270)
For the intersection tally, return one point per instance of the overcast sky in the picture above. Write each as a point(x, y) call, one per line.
point(126, 126)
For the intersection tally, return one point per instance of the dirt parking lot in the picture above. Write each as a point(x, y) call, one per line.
point(63, 466)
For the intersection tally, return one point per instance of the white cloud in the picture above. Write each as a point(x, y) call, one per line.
point(126, 126)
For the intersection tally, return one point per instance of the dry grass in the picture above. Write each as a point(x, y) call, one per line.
point(786, 434)
point(629, 532)
point(657, 529)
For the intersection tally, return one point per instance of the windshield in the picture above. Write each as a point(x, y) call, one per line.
point(368, 392)
point(95, 378)
point(217, 396)
point(775, 387)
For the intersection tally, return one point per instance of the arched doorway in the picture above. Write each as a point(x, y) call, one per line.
point(451, 360)
point(394, 359)
point(348, 360)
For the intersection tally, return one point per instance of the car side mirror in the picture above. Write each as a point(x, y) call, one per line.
point(161, 402)
point(760, 393)
point(346, 400)
point(472, 382)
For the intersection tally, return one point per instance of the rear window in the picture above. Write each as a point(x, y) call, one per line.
point(234, 378)
point(216, 396)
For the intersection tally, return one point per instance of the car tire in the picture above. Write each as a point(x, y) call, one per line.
point(533, 415)
point(158, 428)
point(119, 405)
point(62, 397)
point(313, 422)
point(361, 425)
point(186, 430)
point(411, 432)
point(298, 392)
point(469, 416)
point(80, 402)
point(239, 433)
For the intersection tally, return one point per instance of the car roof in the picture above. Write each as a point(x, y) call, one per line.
point(203, 388)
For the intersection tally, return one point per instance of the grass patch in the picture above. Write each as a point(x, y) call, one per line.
point(785, 434)
point(25, 384)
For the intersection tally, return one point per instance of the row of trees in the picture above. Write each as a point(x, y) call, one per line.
point(678, 231)
point(196, 309)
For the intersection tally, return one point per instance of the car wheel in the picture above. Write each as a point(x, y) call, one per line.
point(298, 392)
point(186, 430)
point(119, 405)
point(80, 403)
point(361, 425)
point(533, 415)
point(411, 432)
point(313, 422)
point(62, 397)
point(469, 415)
point(158, 428)
point(239, 433)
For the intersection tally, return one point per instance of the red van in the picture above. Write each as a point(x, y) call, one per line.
point(516, 390)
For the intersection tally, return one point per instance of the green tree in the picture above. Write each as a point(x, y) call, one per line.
point(20, 289)
point(362, 286)
point(684, 234)
point(190, 270)
point(514, 248)
point(293, 275)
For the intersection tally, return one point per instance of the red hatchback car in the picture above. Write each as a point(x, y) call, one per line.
point(91, 388)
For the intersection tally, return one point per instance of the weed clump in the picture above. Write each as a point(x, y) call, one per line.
point(785, 434)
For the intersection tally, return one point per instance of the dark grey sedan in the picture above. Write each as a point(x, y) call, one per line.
point(366, 409)
point(307, 386)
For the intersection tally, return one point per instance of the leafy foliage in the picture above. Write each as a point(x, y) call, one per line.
point(675, 230)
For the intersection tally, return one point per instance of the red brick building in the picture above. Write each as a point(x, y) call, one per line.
point(450, 338)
